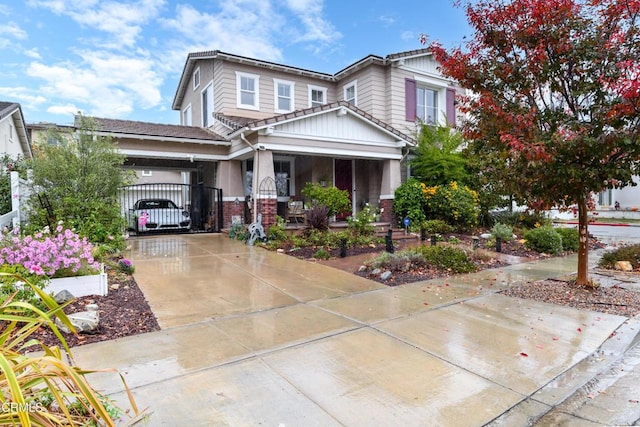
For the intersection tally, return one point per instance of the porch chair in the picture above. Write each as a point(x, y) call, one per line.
point(296, 212)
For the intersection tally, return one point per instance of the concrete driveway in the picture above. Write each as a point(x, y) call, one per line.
point(252, 337)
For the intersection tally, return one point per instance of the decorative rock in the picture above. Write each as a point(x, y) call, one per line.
point(362, 269)
point(385, 275)
point(115, 286)
point(84, 321)
point(63, 296)
point(485, 235)
point(376, 271)
point(280, 251)
point(623, 266)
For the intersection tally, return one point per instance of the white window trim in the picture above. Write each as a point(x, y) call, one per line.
point(311, 88)
point(353, 84)
point(208, 121)
point(196, 72)
point(292, 181)
point(146, 172)
point(292, 96)
point(190, 110)
point(239, 103)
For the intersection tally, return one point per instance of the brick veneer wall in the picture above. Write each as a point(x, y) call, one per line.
point(230, 209)
point(269, 209)
point(388, 215)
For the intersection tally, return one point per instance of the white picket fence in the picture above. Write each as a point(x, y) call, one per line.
point(20, 192)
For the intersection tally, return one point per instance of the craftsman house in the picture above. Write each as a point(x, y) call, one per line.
point(281, 126)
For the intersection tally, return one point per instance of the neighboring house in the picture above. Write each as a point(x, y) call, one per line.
point(286, 126)
point(14, 139)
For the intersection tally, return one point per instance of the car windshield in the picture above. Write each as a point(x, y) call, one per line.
point(156, 204)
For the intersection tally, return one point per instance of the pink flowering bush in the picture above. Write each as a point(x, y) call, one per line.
point(59, 253)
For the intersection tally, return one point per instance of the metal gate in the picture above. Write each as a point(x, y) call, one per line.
point(172, 207)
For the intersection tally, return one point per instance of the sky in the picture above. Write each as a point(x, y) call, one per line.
point(123, 59)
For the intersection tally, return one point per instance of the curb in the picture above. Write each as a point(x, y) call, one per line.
point(610, 224)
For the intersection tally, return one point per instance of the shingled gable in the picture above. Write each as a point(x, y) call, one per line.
point(156, 131)
point(239, 124)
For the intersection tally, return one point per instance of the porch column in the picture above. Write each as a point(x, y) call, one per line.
point(229, 179)
point(267, 202)
point(390, 182)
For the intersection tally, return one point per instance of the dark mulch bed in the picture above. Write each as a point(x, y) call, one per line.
point(123, 312)
point(612, 300)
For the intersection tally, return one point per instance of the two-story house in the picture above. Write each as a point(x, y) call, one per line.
point(287, 126)
point(14, 138)
point(260, 130)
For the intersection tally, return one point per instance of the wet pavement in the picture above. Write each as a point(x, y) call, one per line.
point(252, 337)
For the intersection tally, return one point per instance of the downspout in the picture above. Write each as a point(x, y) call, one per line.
point(253, 185)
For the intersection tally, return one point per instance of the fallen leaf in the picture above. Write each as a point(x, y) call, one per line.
point(579, 329)
point(540, 346)
point(524, 355)
point(425, 303)
point(591, 395)
point(556, 338)
point(633, 400)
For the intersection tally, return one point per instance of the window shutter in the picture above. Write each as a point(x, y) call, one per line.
point(410, 100)
point(451, 106)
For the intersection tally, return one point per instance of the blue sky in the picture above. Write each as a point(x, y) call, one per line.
point(123, 59)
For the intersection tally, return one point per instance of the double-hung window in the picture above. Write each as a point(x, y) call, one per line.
point(248, 92)
point(207, 106)
point(186, 116)
point(351, 93)
point(427, 105)
point(196, 78)
point(284, 95)
point(317, 96)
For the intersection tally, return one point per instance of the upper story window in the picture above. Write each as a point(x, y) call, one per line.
point(248, 90)
point(186, 116)
point(427, 105)
point(317, 96)
point(207, 106)
point(196, 78)
point(284, 99)
point(351, 92)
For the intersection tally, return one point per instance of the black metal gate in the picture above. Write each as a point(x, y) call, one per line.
point(172, 207)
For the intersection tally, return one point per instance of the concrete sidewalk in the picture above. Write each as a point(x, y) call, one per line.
point(252, 337)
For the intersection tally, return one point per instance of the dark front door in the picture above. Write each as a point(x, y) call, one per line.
point(344, 181)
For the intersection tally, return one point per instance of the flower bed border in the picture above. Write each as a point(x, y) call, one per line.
point(80, 286)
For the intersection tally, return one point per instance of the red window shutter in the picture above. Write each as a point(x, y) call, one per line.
point(410, 100)
point(451, 106)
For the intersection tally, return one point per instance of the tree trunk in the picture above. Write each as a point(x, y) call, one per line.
point(583, 247)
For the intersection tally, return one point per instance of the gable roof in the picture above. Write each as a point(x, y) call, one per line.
point(13, 109)
point(156, 131)
point(239, 124)
point(193, 57)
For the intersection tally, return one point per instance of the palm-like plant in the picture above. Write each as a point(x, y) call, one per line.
point(42, 388)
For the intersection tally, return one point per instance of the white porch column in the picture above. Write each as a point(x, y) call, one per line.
point(390, 179)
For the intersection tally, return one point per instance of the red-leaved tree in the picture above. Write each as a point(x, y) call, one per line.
point(554, 91)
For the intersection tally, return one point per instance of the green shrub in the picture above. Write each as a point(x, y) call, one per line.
point(570, 238)
point(544, 240)
point(526, 219)
point(238, 232)
point(277, 232)
point(337, 201)
point(502, 231)
point(448, 258)
point(437, 226)
point(361, 223)
point(629, 253)
point(454, 204)
point(11, 281)
point(322, 254)
point(409, 202)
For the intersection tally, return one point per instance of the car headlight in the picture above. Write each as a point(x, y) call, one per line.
point(185, 214)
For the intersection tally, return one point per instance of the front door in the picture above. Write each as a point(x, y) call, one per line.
point(344, 181)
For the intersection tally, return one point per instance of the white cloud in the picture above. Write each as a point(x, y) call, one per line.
point(32, 53)
point(4, 9)
point(67, 109)
point(408, 35)
point(316, 28)
point(244, 27)
point(108, 85)
point(27, 98)
point(123, 21)
point(387, 20)
point(13, 30)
